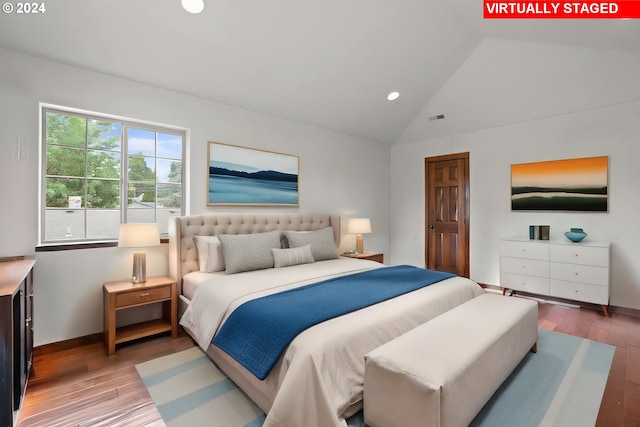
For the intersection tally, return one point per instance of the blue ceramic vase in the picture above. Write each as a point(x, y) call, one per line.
point(575, 234)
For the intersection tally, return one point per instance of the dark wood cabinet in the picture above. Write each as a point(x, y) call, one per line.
point(16, 335)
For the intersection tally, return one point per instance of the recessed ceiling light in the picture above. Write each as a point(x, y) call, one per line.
point(393, 96)
point(193, 6)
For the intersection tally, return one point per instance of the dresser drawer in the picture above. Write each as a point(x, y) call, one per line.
point(141, 296)
point(576, 254)
point(579, 273)
point(529, 267)
point(520, 282)
point(579, 291)
point(528, 250)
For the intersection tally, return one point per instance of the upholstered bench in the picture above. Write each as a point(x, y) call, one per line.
point(444, 371)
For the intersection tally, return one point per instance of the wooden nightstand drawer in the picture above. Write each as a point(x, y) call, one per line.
point(142, 296)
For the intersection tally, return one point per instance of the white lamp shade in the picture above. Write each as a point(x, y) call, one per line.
point(359, 225)
point(138, 235)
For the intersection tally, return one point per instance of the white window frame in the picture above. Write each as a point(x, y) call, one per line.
point(126, 122)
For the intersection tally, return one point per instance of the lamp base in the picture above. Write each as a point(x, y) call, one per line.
point(139, 274)
point(359, 244)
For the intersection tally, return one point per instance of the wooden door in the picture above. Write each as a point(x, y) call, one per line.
point(447, 213)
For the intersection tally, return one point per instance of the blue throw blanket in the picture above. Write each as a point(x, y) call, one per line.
point(259, 331)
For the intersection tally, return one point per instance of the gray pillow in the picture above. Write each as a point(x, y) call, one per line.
point(292, 256)
point(323, 246)
point(246, 252)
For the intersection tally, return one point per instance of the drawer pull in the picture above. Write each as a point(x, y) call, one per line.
point(147, 293)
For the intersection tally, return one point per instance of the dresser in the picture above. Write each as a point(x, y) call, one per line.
point(562, 269)
point(16, 335)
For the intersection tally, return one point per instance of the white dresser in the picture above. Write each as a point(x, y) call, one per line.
point(563, 269)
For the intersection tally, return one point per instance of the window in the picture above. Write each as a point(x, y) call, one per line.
point(99, 172)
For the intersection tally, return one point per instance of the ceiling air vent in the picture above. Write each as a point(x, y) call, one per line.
point(437, 117)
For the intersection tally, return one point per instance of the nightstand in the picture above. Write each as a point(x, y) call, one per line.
point(372, 256)
point(123, 294)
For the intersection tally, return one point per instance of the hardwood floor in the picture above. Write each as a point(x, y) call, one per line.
point(80, 385)
point(620, 405)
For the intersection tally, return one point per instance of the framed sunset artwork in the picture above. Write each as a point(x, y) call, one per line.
point(561, 185)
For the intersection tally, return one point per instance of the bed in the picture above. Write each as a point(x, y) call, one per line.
point(318, 380)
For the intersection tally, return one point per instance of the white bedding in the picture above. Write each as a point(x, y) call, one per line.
point(191, 281)
point(318, 381)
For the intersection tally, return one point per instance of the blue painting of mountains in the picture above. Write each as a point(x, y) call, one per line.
point(232, 185)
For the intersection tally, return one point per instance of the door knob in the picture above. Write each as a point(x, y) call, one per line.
point(432, 226)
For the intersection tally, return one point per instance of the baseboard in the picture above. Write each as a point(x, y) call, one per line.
point(79, 341)
point(67, 344)
point(624, 310)
point(612, 308)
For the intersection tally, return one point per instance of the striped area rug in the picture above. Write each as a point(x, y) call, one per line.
point(190, 390)
point(561, 385)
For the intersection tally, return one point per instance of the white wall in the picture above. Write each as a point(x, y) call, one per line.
point(339, 174)
point(508, 81)
point(597, 128)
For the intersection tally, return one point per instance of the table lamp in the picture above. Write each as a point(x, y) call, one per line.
point(139, 236)
point(359, 226)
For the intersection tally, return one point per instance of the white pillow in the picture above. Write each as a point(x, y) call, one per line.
point(292, 256)
point(210, 256)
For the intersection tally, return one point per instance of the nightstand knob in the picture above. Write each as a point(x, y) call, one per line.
point(147, 293)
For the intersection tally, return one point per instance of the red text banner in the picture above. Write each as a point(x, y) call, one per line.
point(622, 9)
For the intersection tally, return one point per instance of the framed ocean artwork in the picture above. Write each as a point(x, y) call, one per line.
point(561, 185)
point(251, 177)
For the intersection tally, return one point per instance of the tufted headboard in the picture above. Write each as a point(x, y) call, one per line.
point(183, 256)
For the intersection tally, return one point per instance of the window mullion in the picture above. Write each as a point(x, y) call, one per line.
point(86, 175)
point(155, 179)
point(124, 177)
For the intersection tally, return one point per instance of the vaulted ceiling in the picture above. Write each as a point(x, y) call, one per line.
point(328, 63)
